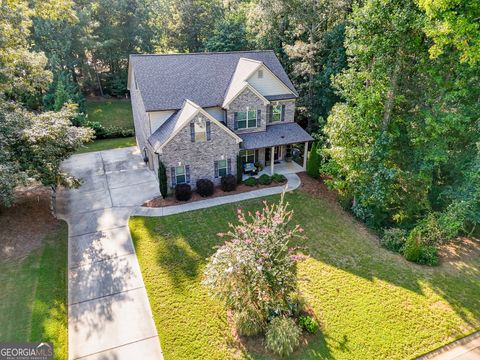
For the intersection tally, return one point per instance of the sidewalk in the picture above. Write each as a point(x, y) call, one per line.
point(467, 348)
point(293, 182)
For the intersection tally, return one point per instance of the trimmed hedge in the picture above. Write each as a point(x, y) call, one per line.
point(251, 181)
point(228, 183)
point(205, 187)
point(183, 192)
point(279, 178)
point(102, 132)
point(265, 179)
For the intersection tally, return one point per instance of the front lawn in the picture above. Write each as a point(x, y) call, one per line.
point(106, 144)
point(33, 294)
point(371, 303)
point(110, 113)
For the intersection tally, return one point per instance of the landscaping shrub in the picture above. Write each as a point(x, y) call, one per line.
point(239, 169)
point(279, 178)
point(308, 323)
point(183, 192)
point(296, 304)
point(228, 183)
point(251, 181)
point(205, 187)
point(265, 179)
point(394, 239)
point(420, 253)
point(162, 179)
point(102, 132)
point(249, 323)
point(282, 336)
point(233, 273)
point(313, 162)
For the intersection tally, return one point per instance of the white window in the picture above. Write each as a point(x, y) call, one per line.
point(222, 168)
point(248, 156)
point(260, 74)
point(276, 113)
point(200, 131)
point(246, 119)
point(180, 174)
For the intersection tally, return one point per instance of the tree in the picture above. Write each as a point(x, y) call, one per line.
point(313, 161)
point(162, 179)
point(229, 34)
point(453, 23)
point(239, 169)
point(405, 131)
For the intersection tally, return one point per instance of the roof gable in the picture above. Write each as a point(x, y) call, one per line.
point(165, 81)
point(173, 125)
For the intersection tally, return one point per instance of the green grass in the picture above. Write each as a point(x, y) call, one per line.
point(106, 144)
point(111, 113)
point(33, 295)
point(370, 303)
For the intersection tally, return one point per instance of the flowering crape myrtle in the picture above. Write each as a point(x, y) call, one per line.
point(254, 271)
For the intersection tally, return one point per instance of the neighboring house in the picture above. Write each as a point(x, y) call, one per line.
point(197, 112)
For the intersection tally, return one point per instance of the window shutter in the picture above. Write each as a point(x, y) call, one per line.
point(215, 168)
point(235, 123)
point(187, 174)
point(259, 118)
point(209, 130)
point(192, 132)
point(229, 166)
point(283, 113)
point(174, 178)
point(256, 156)
point(269, 113)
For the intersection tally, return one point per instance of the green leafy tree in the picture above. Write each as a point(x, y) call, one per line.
point(229, 34)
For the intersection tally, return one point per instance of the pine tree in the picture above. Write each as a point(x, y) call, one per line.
point(313, 162)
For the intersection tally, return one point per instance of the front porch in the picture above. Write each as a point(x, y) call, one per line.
point(281, 167)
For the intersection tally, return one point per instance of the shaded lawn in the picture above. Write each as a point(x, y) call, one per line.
point(33, 295)
point(111, 112)
point(371, 303)
point(106, 144)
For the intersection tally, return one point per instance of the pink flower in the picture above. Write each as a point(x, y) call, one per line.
point(221, 234)
point(239, 211)
point(298, 257)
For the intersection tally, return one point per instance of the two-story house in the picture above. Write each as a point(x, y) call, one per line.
point(196, 113)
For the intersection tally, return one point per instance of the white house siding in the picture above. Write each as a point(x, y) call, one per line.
point(200, 156)
point(157, 118)
point(140, 118)
point(268, 84)
point(217, 112)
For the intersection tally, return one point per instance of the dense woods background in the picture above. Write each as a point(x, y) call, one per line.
point(390, 88)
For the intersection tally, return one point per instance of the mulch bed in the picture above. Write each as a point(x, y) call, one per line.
point(24, 225)
point(170, 200)
point(317, 188)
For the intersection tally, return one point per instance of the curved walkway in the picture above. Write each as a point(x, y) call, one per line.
point(293, 182)
point(109, 315)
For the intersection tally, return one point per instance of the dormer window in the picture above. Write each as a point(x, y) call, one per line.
point(260, 74)
point(245, 119)
point(200, 132)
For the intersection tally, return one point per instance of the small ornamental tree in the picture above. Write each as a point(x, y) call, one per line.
point(239, 170)
point(162, 179)
point(254, 271)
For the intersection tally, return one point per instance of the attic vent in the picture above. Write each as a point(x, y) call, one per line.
point(260, 74)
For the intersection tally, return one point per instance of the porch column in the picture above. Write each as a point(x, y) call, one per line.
point(305, 156)
point(272, 159)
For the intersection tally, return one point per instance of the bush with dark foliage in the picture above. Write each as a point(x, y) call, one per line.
point(279, 178)
point(205, 187)
point(183, 192)
point(228, 183)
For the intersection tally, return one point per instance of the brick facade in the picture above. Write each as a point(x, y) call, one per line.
point(247, 99)
point(200, 156)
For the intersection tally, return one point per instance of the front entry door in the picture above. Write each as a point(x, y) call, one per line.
point(276, 154)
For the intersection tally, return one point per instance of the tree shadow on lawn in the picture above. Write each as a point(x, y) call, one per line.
point(334, 239)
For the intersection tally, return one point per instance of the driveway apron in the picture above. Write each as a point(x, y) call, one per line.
point(109, 316)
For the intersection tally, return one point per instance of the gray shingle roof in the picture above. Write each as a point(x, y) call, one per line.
point(278, 134)
point(162, 134)
point(165, 81)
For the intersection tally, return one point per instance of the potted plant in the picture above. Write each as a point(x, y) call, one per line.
point(259, 166)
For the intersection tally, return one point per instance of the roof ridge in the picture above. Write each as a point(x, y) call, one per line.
point(206, 53)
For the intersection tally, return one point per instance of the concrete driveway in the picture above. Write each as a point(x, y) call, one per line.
point(109, 316)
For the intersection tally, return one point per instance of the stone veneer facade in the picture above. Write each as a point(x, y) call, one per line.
point(200, 156)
